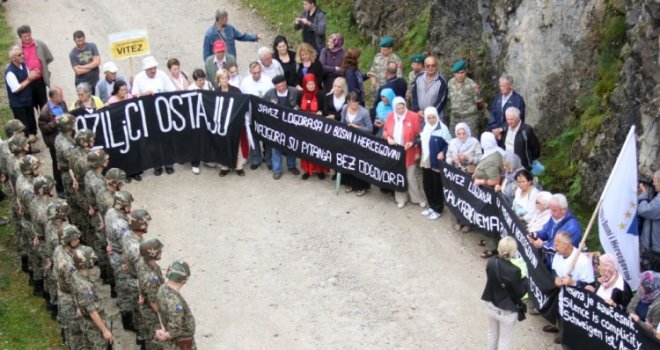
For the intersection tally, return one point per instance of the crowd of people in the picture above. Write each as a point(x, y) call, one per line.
point(434, 119)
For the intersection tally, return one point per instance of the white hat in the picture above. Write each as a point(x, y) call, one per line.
point(110, 67)
point(149, 62)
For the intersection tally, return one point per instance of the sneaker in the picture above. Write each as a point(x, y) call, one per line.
point(348, 189)
point(427, 211)
point(294, 171)
point(240, 172)
point(195, 170)
point(401, 205)
point(434, 215)
point(277, 176)
point(361, 193)
point(305, 176)
point(137, 177)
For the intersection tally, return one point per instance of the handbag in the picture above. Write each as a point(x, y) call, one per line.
point(520, 306)
point(537, 168)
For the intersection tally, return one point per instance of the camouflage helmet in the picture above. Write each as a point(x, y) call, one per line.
point(69, 233)
point(114, 176)
point(178, 271)
point(151, 248)
point(84, 136)
point(59, 209)
point(17, 144)
point(139, 219)
point(84, 257)
point(43, 183)
point(29, 164)
point(122, 198)
point(66, 122)
point(96, 158)
point(13, 126)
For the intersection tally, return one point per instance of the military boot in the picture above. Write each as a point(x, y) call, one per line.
point(38, 288)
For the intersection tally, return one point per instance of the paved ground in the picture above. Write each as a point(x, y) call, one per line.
point(286, 264)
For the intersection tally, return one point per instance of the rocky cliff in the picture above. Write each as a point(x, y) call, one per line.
point(558, 56)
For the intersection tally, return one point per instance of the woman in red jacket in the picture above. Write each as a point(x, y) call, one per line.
point(311, 101)
point(402, 128)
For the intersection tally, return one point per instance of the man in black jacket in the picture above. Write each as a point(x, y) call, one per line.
point(520, 138)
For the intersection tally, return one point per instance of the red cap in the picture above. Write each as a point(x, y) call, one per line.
point(219, 45)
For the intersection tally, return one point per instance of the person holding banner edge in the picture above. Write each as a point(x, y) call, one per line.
point(488, 173)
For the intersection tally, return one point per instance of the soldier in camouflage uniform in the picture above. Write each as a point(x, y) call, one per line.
point(115, 179)
point(64, 144)
point(377, 71)
point(12, 128)
point(96, 332)
point(178, 321)
point(64, 268)
point(18, 146)
point(44, 190)
point(56, 216)
point(29, 166)
point(150, 278)
point(94, 182)
point(81, 211)
point(116, 226)
point(416, 68)
point(464, 98)
point(138, 221)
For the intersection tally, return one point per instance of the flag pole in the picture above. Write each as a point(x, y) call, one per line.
point(600, 201)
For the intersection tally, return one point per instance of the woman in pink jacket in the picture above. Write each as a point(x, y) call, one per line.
point(402, 127)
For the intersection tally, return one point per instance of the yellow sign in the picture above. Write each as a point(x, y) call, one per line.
point(129, 44)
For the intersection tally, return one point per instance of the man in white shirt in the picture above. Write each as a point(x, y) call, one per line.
point(269, 67)
point(148, 82)
point(256, 84)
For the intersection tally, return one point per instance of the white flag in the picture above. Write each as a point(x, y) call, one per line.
point(617, 218)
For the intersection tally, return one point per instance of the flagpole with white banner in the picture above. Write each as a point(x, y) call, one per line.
point(617, 216)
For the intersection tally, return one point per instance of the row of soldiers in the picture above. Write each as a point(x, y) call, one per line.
point(62, 240)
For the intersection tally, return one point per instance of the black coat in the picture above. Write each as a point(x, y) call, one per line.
point(526, 145)
point(329, 107)
point(509, 275)
point(317, 69)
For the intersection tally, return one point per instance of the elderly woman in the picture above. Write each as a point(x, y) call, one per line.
point(464, 151)
point(501, 303)
point(199, 81)
point(119, 92)
point(331, 58)
point(222, 78)
point(287, 59)
point(434, 139)
point(308, 64)
point(356, 117)
point(542, 214)
point(613, 289)
point(510, 165)
point(488, 173)
point(177, 76)
point(85, 98)
point(335, 100)
point(644, 308)
point(524, 201)
point(402, 128)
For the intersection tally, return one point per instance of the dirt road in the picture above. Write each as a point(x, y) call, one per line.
point(283, 264)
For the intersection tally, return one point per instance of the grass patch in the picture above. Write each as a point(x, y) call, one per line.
point(24, 322)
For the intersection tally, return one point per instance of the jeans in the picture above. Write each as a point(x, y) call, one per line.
point(255, 155)
point(276, 158)
point(500, 327)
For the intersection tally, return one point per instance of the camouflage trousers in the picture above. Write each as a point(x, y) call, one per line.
point(93, 336)
point(23, 237)
point(50, 285)
point(67, 183)
point(150, 324)
point(100, 244)
point(125, 286)
point(34, 254)
point(70, 321)
point(471, 119)
point(79, 217)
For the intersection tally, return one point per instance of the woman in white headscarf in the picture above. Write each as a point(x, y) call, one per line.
point(434, 140)
point(542, 214)
point(402, 128)
point(489, 173)
point(464, 150)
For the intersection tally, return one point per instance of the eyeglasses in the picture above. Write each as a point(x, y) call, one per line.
point(19, 54)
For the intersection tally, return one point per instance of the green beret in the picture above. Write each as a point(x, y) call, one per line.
point(419, 58)
point(386, 41)
point(458, 66)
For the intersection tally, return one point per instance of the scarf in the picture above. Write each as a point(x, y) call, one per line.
point(309, 102)
point(383, 109)
point(437, 129)
point(651, 284)
point(489, 145)
point(397, 133)
point(608, 262)
point(469, 141)
point(337, 42)
point(514, 165)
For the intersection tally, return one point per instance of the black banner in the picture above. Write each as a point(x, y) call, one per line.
point(168, 128)
point(590, 323)
point(489, 211)
point(330, 143)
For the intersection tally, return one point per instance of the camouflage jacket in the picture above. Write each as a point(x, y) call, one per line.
point(116, 226)
point(150, 278)
point(131, 249)
point(175, 313)
point(64, 269)
point(86, 295)
point(63, 146)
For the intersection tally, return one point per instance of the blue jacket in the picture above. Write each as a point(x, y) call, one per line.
point(231, 35)
point(569, 224)
point(437, 144)
point(497, 119)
